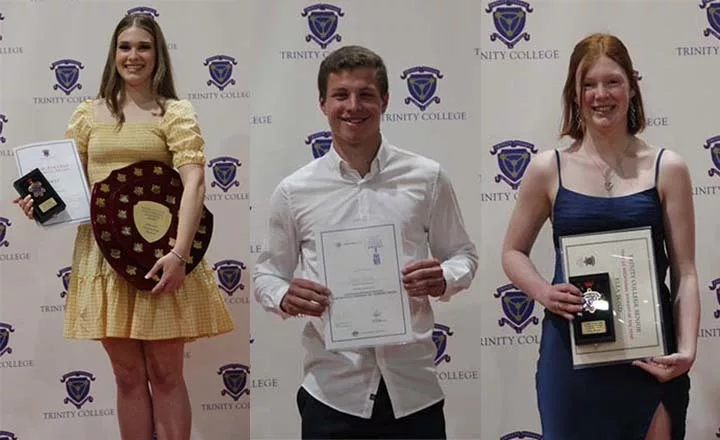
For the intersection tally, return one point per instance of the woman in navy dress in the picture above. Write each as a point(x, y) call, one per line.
point(608, 179)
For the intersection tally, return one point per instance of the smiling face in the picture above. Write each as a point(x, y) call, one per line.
point(604, 95)
point(135, 56)
point(354, 107)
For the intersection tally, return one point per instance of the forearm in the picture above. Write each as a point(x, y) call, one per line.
point(687, 314)
point(191, 206)
point(269, 291)
point(523, 274)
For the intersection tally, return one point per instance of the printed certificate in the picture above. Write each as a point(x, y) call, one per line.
point(361, 267)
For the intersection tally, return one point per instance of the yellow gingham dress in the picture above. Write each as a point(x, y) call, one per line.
point(101, 304)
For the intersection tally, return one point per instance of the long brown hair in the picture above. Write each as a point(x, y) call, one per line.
point(586, 52)
point(112, 86)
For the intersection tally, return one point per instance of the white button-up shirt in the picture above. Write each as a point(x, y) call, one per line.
point(407, 189)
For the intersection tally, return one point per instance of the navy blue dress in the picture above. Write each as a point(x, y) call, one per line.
point(611, 402)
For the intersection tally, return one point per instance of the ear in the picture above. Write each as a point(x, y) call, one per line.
point(321, 101)
point(385, 101)
point(632, 93)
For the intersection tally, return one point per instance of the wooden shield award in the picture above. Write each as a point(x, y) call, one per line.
point(134, 214)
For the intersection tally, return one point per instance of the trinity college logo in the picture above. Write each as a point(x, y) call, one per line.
point(509, 17)
point(522, 435)
point(513, 158)
point(221, 69)
point(67, 74)
point(422, 85)
point(440, 336)
point(715, 285)
point(7, 435)
point(5, 330)
point(4, 225)
point(77, 387)
point(64, 275)
point(713, 144)
point(144, 10)
point(517, 307)
point(320, 143)
point(234, 378)
point(3, 120)
point(323, 23)
point(229, 275)
point(712, 7)
point(224, 170)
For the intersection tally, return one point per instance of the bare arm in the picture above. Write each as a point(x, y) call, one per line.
point(191, 204)
point(532, 209)
point(679, 220)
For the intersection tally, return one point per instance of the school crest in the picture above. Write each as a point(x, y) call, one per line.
point(323, 23)
point(509, 18)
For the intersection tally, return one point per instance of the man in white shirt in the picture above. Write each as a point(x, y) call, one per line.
point(379, 392)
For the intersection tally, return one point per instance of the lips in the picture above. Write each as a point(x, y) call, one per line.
point(353, 121)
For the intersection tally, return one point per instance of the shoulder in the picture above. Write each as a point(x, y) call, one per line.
point(544, 165)
point(408, 161)
point(300, 177)
point(672, 167)
point(179, 107)
point(87, 107)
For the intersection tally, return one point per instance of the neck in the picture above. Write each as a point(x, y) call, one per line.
point(608, 145)
point(138, 95)
point(359, 157)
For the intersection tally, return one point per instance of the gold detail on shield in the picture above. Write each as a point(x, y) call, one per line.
point(152, 220)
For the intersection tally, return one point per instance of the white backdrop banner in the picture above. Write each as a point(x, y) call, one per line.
point(250, 67)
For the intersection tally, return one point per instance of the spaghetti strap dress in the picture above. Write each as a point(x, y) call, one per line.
point(615, 402)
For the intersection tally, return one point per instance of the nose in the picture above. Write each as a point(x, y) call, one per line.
point(602, 90)
point(353, 101)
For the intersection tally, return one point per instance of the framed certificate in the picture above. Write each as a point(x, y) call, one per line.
point(59, 163)
point(621, 319)
point(361, 267)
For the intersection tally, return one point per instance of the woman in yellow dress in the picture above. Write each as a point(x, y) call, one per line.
point(138, 116)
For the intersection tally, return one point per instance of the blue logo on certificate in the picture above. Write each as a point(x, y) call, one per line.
point(522, 435)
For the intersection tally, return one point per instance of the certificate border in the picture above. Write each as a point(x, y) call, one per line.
point(403, 298)
point(643, 234)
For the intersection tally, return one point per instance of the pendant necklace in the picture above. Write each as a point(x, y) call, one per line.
point(608, 173)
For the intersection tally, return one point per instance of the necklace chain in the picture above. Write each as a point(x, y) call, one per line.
point(608, 173)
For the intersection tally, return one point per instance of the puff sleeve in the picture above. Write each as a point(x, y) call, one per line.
point(182, 134)
point(79, 128)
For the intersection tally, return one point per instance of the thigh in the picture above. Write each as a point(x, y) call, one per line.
point(320, 421)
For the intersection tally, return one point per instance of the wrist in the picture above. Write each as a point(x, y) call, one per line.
point(180, 257)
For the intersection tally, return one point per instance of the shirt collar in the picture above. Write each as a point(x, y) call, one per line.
point(379, 162)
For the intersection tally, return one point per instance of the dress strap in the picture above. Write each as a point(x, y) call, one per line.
point(557, 159)
point(657, 165)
